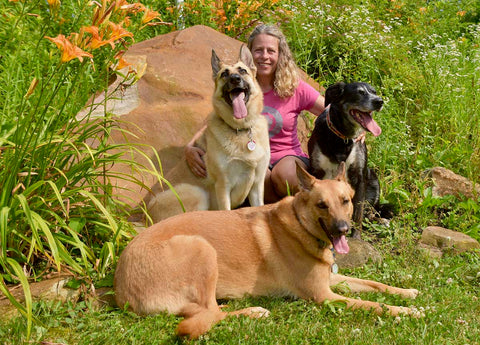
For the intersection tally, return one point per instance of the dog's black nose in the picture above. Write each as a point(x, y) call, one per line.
point(235, 78)
point(378, 103)
point(342, 226)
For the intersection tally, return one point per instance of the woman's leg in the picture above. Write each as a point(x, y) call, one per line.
point(269, 193)
point(283, 173)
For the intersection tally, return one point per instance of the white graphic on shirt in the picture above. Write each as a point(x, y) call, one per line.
point(275, 120)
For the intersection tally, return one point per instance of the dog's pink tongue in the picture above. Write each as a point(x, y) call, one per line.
point(370, 124)
point(340, 245)
point(238, 104)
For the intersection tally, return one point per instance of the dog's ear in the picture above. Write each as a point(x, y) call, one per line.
point(247, 58)
point(305, 180)
point(216, 64)
point(334, 93)
point(341, 176)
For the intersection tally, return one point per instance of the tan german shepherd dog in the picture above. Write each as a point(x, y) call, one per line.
point(183, 264)
point(236, 144)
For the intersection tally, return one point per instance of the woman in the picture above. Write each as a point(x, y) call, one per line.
point(285, 97)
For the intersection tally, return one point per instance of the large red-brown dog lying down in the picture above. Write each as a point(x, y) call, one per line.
point(184, 263)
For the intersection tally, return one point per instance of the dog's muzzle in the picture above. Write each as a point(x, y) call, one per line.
point(236, 92)
point(337, 235)
point(365, 118)
point(235, 86)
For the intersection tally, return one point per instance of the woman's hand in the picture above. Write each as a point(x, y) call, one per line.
point(361, 138)
point(194, 158)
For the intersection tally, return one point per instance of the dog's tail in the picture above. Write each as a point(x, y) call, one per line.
point(198, 320)
point(372, 196)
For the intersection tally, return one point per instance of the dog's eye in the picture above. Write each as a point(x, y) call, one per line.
point(346, 201)
point(242, 71)
point(322, 205)
point(362, 91)
point(224, 74)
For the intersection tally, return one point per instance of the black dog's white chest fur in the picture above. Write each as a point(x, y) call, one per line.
point(329, 166)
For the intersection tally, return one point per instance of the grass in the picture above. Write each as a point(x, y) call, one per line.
point(449, 299)
point(57, 211)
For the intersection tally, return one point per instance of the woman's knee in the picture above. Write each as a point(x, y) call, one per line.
point(284, 176)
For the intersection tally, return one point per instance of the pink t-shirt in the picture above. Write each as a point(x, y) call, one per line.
point(282, 114)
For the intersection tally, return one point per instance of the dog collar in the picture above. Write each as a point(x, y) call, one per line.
point(334, 266)
point(251, 145)
point(332, 127)
point(322, 243)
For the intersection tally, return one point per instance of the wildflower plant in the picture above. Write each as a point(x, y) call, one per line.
point(421, 57)
point(234, 18)
point(57, 211)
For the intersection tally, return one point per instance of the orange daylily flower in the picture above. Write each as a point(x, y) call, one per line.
point(97, 39)
point(54, 3)
point(149, 15)
point(69, 51)
point(117, 32)
point(122, 63)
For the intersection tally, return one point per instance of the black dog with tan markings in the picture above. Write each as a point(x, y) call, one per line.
point(335, 139)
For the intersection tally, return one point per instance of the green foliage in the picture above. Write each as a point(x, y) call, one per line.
point(57, 211)
point(234, 18)
point(423, 59)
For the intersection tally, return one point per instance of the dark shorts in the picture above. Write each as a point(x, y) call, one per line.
point(305, 160)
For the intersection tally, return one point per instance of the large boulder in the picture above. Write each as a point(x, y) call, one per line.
point(172, 99)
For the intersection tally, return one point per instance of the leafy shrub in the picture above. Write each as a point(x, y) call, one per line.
point(56, 204)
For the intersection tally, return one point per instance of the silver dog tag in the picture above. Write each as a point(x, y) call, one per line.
point(334, 268)
point(251, 145)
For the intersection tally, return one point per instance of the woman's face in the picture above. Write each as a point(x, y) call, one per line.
point(265, 54)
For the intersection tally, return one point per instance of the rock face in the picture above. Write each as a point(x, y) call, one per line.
point(448, 183)
point(172, 99)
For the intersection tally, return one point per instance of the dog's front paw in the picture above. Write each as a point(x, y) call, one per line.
point(258, 312)
point(410, 293)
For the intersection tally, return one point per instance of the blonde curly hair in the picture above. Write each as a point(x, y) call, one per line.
point(286, 75)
